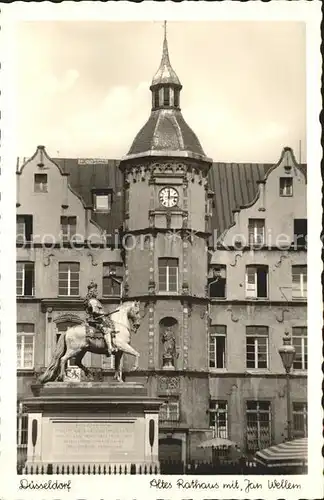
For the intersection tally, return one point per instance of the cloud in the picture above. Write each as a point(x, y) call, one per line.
point(49, 85)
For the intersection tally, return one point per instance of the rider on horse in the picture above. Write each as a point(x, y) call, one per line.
point(97, 318)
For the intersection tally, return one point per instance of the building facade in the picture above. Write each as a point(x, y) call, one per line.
point(214, 252)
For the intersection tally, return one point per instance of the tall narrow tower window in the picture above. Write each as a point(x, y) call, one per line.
point(156, 99)
point(176, 98)
point(166, 96)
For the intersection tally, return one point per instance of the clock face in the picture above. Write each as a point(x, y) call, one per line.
point(169, 197)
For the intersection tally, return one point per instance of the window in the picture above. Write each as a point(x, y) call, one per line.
point(40, 183)
point(166, 96)
point(69, 278)
point(68, 227)
point(169, 411)
point(168, 275)
point(61, 328)
point(176, 98)
point(217, 346)
point(299, 341)
point(299, 414)
point(218, 418)
point(112, 279)
point(217, 282)
point(300, 232)
point(256, 282)
point(256, 231)
point(25, 345)
point(258, 420)
point(286, 186)
point(24, 228)
point(102, 202)
point(156, 99)
point(22, 434)
point(299, 282)
point(25, 279)
point(257, 340)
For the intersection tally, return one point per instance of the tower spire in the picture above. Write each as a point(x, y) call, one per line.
point(165, 84)
point(165, 74)
point(165, 61)
point(166, 129)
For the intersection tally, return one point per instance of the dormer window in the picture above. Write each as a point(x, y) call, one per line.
point(102, 201)
point(286, 186)
point(40, 183)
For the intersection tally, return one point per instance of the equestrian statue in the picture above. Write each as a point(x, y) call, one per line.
point(101, 333)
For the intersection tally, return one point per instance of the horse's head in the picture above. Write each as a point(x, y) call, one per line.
point(134, 313)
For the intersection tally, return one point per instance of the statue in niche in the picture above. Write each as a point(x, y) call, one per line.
point(169, 347)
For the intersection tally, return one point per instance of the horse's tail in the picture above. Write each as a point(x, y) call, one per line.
point(51, 370)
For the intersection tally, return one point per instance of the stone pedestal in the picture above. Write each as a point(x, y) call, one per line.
point(92, 423)
point(168, 362)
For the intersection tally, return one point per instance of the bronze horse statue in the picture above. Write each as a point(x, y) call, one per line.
point(79, 339)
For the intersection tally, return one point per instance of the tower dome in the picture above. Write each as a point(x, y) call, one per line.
point(166, 132)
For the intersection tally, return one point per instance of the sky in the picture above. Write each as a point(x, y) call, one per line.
point(83, 87)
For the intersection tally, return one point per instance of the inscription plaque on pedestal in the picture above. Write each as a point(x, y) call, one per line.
point(92, 424)
point(86, 440)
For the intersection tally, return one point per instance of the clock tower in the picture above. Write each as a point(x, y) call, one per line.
point(165, 240)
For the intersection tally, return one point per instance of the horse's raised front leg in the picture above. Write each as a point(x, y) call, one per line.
point(128, 349)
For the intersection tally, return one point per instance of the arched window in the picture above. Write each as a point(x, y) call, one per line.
point(168, 321)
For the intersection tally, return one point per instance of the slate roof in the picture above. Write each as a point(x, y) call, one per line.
point(234, 185)
point(166, 130)
point(85, 178)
